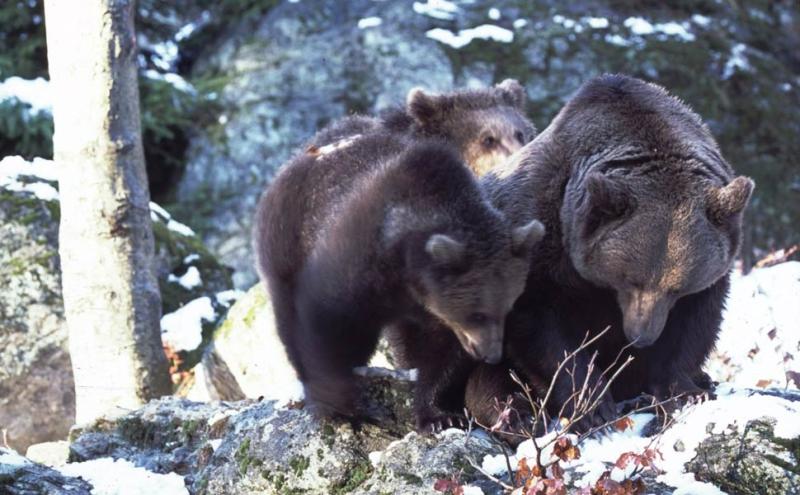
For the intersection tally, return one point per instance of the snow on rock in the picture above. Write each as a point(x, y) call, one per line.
point(438, 9)
point(121, 477)
point(465, 36)
point(183, 329)
point(759, 341)
point(175, 80)
point(158, 213)
point(34, 92)
point(737, 61)
point(228, 297)
point(189, 280)
point(10, 457)
point(677, 445)
point(643, 27)
point(13, 168)
point(369, 22)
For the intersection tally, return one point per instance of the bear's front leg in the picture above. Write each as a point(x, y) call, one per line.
point(675, 360)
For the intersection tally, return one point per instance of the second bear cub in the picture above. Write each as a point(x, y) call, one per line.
point(382, 228)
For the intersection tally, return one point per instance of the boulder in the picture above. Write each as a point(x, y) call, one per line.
point(265, 447)
point(20, 476)
point(37, 401)
point(247, 358)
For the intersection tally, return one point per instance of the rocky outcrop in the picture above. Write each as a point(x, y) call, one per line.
point(263, 447)
point(37, 401)
point(246, 357)
point(20, 476)
point(742, 442)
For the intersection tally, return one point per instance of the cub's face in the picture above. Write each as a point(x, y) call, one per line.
point(654, 240)
point(488, 137)
point(472, 295)
point(487, 125)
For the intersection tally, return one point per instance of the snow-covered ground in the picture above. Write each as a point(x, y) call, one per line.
point(758, 342)
point(121, 477)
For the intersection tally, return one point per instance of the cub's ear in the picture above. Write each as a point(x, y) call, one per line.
point(606, 201)
point(512, 92)
point(424, 107)
point(725, 202)
point(525, 237)
point(445, 250)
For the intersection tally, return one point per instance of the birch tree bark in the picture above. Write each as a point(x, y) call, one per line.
point(111, 297)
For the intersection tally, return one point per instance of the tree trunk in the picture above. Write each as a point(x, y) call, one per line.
point(111, 297)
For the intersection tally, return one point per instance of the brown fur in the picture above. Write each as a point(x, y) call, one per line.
point(643, 219)
point(382, 228)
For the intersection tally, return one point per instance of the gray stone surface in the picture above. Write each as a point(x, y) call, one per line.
point(37, 401)
point(19, 476)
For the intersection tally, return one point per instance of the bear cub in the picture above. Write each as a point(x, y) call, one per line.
point(378, 223)
point(485, 125)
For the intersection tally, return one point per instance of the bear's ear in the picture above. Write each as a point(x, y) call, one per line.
point(606, 201)
point(725, 202)
point(512, 92)
point(444, 250)
point(425, 108)
point(525, 237)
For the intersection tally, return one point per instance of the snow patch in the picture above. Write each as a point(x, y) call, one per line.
point(737, 61)
point(701, 20)
point(183, 329)
point(520, 23)
point(465, 36)
point(10, 457)
point(189, 280)
point(175, 80)
point(191, 258)
point(596, 22)
point(228, 297)
point(643, 27)
point(34, 92)
point(616, 39)
point(438, 9)
point(471, 490)
point(494, 14)
point(13, 168)
point(692, 423)
point(122, 477)
point(369, 22)
point(759, 336)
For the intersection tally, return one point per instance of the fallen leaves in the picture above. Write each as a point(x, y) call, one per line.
point(564, 450)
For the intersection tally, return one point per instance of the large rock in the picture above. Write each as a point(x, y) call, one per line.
point(259, 447)
point(20, 476)
point(37, 401)
point(295, 69)
point(247, 358)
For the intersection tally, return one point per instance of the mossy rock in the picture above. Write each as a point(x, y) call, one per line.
point(749, 460)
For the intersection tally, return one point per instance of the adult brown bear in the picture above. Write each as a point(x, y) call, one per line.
point(643, 219)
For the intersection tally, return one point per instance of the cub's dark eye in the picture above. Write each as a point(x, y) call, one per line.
point(520, 137)
point(478, 319)
point(489, 142)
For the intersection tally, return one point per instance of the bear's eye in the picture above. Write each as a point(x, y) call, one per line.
point(520, 137)
point(489, 142)
point(478, 318)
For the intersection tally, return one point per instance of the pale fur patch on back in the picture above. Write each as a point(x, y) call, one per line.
point(336, 146)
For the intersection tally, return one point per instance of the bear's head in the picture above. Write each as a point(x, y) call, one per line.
point(486, 125)
point(652, 236)
point(470, 284)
